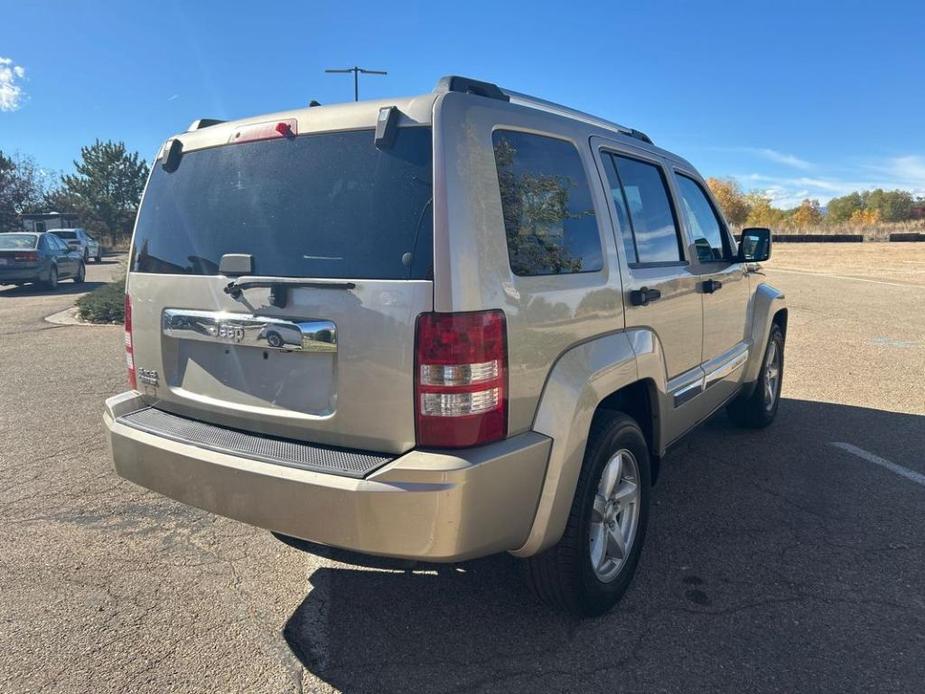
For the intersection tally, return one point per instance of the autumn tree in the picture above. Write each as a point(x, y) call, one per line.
point(807, 215)
point(760, 211)
point(865, 217)
point(730, 198)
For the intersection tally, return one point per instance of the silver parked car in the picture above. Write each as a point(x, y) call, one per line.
point(80, 241)
point(437, 328)
point(38, 257)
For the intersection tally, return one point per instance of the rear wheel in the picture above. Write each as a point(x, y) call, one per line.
point(86, 255)
point(81, 274)
point(52, 281)
point(99, 257)
point(591, 567)
point(759, 408)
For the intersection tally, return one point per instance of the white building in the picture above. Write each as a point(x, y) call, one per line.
point(43, 221)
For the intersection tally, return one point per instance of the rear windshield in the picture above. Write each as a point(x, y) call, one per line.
point(65, 234)
point(15, 242)
point(329, 205)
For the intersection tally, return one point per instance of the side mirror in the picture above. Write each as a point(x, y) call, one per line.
point(755, 245)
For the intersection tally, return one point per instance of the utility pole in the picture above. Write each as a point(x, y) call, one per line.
point(356, 77)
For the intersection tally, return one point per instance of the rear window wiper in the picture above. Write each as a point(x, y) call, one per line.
point(280, 286)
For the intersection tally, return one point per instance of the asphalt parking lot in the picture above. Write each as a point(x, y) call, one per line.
point(775, 561)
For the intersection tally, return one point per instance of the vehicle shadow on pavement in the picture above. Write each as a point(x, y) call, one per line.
point(437, 628)
point(66, 287)
point(772, 557)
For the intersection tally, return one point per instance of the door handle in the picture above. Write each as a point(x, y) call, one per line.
point(711, 286)
point(644, 296)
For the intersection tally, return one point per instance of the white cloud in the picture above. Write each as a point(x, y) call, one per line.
point(780, 157)
point(11, 93)
point(903, 173)
point(908, 170)
point(768, 154)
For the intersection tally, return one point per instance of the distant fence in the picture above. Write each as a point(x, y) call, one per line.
point(895, 237)
point(907, 236)
point(818, 238)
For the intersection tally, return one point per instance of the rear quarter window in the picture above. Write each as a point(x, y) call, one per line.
point(549, 218)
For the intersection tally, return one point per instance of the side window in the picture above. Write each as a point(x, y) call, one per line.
point(549, 218)
point(640, 194)
point(705, 226)
point(619, 203)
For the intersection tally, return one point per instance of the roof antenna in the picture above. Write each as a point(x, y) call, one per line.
point(356, 77)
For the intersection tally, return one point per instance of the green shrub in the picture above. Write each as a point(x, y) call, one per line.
point(104, 304)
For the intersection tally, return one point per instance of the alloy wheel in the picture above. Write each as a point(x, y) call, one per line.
point(771, 376)
point(615, 515)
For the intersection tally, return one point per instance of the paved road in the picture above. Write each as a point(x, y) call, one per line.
point(775, 560)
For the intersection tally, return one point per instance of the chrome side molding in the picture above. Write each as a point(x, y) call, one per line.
point(247, 330)
point(689, 385)
point(726, 368)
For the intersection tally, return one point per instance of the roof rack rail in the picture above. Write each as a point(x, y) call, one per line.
point(466, 85)
point(559, 109)
point(455, 83)
point(201, 123)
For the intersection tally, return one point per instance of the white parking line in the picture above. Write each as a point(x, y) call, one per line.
point(917, 477)
point(843, 277)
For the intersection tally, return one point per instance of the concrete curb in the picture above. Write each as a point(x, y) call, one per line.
point(69, 317)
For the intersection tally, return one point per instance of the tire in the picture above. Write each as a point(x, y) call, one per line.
point(98, 258)
point(86, 255)
point(564, 576)
point(52, 281)
point(81, 274)
point(758, 409)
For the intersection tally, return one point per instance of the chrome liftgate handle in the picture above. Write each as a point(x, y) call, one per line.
point(251, 331)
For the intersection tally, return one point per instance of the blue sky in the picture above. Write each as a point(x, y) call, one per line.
point(799, 99)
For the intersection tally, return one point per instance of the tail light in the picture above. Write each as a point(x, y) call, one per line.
point(460, 377)
point(28, 257)
point(129, 346)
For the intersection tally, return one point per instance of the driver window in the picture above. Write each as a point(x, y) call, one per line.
point(706, 228)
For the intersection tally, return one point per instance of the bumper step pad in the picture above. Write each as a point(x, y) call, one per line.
point(305, 456)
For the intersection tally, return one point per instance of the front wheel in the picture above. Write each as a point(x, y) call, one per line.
point(759, 408)
point(591, 567)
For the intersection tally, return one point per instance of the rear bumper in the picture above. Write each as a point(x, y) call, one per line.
point(433, 506)
point(10, 275)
